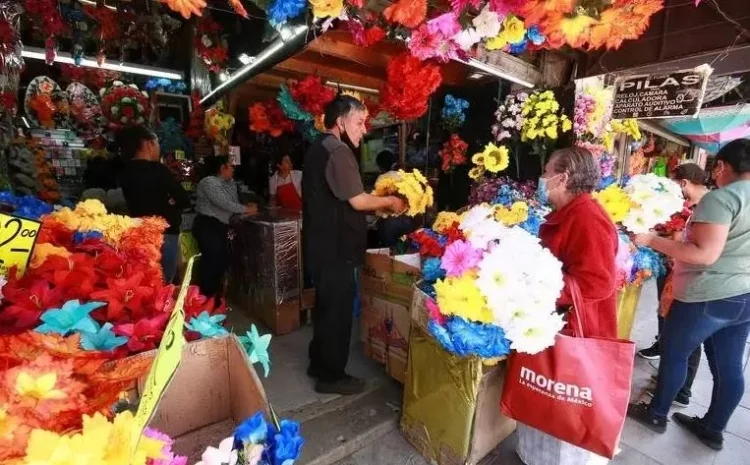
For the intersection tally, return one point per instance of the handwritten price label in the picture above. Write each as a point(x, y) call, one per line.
point(166, 361)
point(17, 240)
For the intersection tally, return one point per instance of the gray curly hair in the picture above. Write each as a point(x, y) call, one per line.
point(580, 166)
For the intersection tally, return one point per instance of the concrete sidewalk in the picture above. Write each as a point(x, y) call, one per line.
point(363, 430)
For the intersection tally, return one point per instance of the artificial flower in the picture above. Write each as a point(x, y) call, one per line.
point(411, 186)
point(533, 335)
point(256, 347)
point(102, 339)
point(453, 152)
point(253, 430)
point(409, 13)
point(513, 32)
point(167, 455)
point(287, 443)
point(460, 257)
point(654, 200)
point(467, 38)
point(432, 269)
point(327, 8)
point(43, 251)
point(409, 85)
point(445, 220)
point(72, 317)
point(476, 172)
point(494, 159)
point(446, 24)
point(207, 325)
point(465, 338)
point(517, 213)
point(426, 43)
point(281, 11)
point(460, 296)
point(487, 23)
point(459, 6)
point(615, 202)
point(144, 334)
point(223, 455)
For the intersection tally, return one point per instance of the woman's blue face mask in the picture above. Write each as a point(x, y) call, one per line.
point(541, 191)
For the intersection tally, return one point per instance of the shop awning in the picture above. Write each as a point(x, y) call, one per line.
point(713, 127)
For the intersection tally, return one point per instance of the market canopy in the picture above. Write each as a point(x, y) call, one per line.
point(713, 127)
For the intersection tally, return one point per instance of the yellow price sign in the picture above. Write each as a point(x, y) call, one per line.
point(167, 360)
point(179, 154)
point(17, 240)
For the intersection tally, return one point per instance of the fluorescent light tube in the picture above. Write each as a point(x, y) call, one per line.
point(482, 66)
point(132, 68)
point(367, 90)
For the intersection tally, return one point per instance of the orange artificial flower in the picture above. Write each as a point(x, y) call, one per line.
point(410, 13)
point(258, 118)
point(44, 110)
point(43, 251)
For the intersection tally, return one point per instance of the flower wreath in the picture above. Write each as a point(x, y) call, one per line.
point(125, 105)
point(210, 44)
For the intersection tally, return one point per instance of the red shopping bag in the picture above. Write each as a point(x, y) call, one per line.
point(577, 390)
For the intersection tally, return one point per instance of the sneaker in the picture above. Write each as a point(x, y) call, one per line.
point(642, 414)
point(652, 353)
point(695, 425)
point(346, 386)
point(679, 401)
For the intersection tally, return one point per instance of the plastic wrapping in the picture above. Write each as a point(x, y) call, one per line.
point(11, 60)
point(451, 404)
point(267, 258)
point(627, 304)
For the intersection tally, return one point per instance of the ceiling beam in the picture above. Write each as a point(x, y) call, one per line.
point(329, 73)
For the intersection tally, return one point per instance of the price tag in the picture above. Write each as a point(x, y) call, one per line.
point(179, 154)
point(166, 361)
point(17, 240)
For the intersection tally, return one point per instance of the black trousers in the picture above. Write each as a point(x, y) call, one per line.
point(332, 320)
point(213, 242)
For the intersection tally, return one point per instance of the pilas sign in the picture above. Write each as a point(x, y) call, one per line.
point(677, 94)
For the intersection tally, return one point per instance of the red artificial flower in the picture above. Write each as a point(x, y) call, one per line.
point(128, 112)
point(22, 307)
point(356, 3)
point(409, 85)
point(409, 13)
point(143, 335)
point(121, 295)
point(312, 95)
point(434, 312)
point(365, 37)
point(453, 234)
point(428, 245)
point(453, 152)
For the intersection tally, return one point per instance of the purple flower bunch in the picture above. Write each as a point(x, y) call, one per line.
point(501, 190)
point(584, 107)
point(509, 118)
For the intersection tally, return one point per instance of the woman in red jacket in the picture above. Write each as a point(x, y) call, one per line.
point(581, 235)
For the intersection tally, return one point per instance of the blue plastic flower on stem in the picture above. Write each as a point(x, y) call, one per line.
point(207, 325)
point(256, 347)
point(532, 224)
point(535, 36)
point(253, 430)
point(280, 11)
point(432, 270)
point(102, 340)
point(466, 338)
point(72, 317)
point(287, 443)
point(518, 48)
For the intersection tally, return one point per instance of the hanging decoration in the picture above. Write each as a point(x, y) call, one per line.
point(211, 45)
point(218, 123)
point(165, 85)
point(281, 11)
point(124, 105)
point(46, 104)
point(45, 16)
point(187, 8)
point(409, 13)
point(327, 8)
point(365, 36)
point(11, 61)
point(311, 94)
point(434, 39)
point(267, 117)
point(409, 86)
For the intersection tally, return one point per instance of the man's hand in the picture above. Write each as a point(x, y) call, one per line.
point(252, 209)
point(397, 205)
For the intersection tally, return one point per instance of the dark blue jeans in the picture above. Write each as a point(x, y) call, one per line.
point(170, 252)
point(722, 327)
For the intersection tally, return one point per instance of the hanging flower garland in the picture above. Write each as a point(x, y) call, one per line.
point(267, 117)
point(311, 94)
point(453, 153)
point(281, 11)
point(434, 39)
point(46, 17)
point(409, 86)
point(408, 13)
point(218, 123)
point(124, 105)
point(210, 44)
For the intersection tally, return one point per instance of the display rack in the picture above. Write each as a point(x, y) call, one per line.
point(66, 153)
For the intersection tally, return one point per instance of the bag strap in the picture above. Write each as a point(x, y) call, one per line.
point(575, 294)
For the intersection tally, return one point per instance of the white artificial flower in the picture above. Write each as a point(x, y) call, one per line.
point(487, 22)
point(221, 455)
point(484, 233)
point(126, 100)
point(140, 107)
point(467, 38)
point(474, 216)
point(117, 83)
point(206, 41)
point(535, 334)
point(503, 135)
point(640, 221)
point(508, 123)
point(133, 86)
point(124, 119)
point(115, 109)
point(655, 199)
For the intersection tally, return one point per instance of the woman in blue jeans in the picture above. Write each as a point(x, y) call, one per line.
point(712, 300)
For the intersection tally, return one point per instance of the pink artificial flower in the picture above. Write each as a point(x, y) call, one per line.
point(434, 312)
point(446, 24)
point(167, 456)
point(503, 7)
point(460, 257)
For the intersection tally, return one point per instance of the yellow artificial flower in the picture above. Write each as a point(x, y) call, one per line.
point(478, 159)
point(445, 220)
point(476, 172)
point(45, 250)
point(41, 387)
point(413, 187)
point(326, 8)
point(496, 158)
point(91, 207)
point(566, 124)
point(460, 296)
point(516, 214)
point(551, 132)
point(615, 202)
point(576, 29)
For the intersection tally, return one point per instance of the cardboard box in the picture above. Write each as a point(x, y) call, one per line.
point(214, 389)
point(397, 363)
point(307, 299)
point(281, 318)
point(390, 277)
point(451, 411)
point(419, 314)
point(385, 330)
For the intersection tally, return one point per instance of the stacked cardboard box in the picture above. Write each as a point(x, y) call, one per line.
point(387, 287)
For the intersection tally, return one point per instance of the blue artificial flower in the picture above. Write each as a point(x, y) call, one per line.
point(484, 340)
point(253, 430)
point(287, 443)
point(427, 288)
point(607, 181)
point(535, 36)
point(440, 333)
point(432, 270)
point(290, 108)
point(453, 112)
point(26, 206)
point(649, 261)
point(532, 224)
point(518, 48)
point(207, 325)
point(280, 11)
point(102, 340)
point(256, 347)
point(72, 317)
point(82, 236)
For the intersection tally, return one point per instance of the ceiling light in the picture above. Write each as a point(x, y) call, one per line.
point(367, 90)
point(132, 68)
point(477, 76)
point(245, 59)
point(223, 76)
point(92, 3)
point(494, 70)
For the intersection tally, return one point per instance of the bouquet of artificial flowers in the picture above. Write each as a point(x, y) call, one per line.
point(257, 442)
point(453, 153)
point(654, 200)
point(495, 287)
point(509, 119)
point(413, 187)
point(125, 105)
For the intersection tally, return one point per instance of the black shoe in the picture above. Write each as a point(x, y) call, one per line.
point(652, 353)
point(695, 425)
point(346, 386)
point(642, 414)
point(679, 401)
point(312, 372)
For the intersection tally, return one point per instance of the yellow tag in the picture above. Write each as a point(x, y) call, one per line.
point(179, 154)
point(166, 361)
point(17, 239)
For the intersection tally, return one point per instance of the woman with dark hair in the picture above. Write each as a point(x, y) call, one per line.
point(217, 200)
point(582, 236)
point(711, 300)
point(150, 189)
point(285, 186)
point(100, 179)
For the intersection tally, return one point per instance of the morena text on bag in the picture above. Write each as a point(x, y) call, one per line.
point(559, 390)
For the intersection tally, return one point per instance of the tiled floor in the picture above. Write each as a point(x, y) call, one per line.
point(289, 389)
